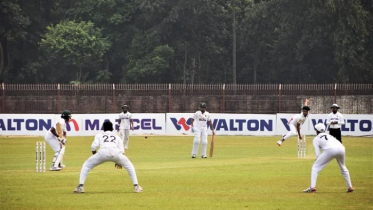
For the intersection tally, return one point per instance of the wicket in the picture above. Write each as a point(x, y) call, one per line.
point(40, 156)
point(302, 147)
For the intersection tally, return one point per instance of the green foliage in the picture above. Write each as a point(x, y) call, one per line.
point(72, 44)
point(278, 41)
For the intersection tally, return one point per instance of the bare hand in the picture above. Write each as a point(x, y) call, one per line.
point(300, 137)
point(118, 166)
point(132, 129)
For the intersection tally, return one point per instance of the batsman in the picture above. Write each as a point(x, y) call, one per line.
point(56, 138)
point(199, 126)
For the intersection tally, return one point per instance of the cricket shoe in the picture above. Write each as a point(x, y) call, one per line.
point(203, 156)
point(310, 190)
point(279, 143)
point(55, 168)
point(79, 189)
point(193, 156)
point(138, 189)
point(350, 190)
point(125, 147)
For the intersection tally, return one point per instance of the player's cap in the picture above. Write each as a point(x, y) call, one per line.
point(66, 114)
point(335, 106)
point(203, 105)
point(125, 106)
point(320, 127)
point(107, 125)
point(306, 108)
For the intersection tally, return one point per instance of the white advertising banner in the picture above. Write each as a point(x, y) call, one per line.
point(80, 124)
point(224, 124)
point(355, 125)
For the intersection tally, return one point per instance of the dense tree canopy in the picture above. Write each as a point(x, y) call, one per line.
point(186, 41)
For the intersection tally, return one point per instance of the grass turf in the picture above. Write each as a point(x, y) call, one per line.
point(245, 173)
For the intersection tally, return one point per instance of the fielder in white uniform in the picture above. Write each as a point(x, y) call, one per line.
point(124, 124)
point(111, 149)
point(294, 124)
point(199, 126)
point(335, 120)
point(332, 149)
point(56, 138)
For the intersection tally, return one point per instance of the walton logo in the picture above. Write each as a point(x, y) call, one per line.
point(76, 126)
point(181, 123)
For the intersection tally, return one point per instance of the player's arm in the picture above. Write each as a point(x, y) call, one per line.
point(132, 127)
point(298, 130)
point(95, 144)
point(316, 147)
point(119, 120)
point(341, 120)
point(212, 127)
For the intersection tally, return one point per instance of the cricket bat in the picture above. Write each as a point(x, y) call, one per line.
point(212, 146)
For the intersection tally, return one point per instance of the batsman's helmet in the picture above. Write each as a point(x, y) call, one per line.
point(66, 114)
point(108, 126)
point(320, 127)
point(203, 105)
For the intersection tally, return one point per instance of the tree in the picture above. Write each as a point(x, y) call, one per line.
point(74, 46)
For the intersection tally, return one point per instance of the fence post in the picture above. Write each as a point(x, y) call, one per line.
point(335, 93)
point(223, 97)
point(169, 97)
point(279, 98)
point(113, 98)
point(58, 98)
point(3, 97)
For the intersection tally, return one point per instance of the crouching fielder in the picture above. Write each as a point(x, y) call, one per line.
point(111, 149)
point(200, 129)
point(332, 149)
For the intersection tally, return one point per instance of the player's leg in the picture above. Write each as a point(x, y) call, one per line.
point(203, 143)
point(292, 132)
point(338, 135)
point(88, 165)
point(340, 157)
point(320, 164)
point(56, 146)
point(196, 141)
point(126, 137)
point(59, 160)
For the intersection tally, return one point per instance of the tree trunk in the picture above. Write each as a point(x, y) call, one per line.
point(1, 63)
point(234, 41)
point(193, 61)
point(185, 63)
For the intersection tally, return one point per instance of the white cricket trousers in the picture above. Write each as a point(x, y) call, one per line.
point(292, 132)
point(104, 155)
point(325, 158)
point(54, 144)
point(197, 138)
point(125, 135)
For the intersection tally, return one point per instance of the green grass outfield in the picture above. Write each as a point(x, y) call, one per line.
point(245, 173)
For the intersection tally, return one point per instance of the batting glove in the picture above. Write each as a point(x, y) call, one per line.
point(62, 140)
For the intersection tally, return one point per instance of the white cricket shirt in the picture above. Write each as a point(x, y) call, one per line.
point(337, 117)
point(125, 119)
point(299, 118)
point(107, 139)
point(62, 122)
point(325, 141)
point(200, 120)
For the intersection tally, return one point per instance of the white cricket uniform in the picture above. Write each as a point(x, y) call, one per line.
point(299, 118)
point(200, 129)
point(124, 126)
point(331, 148)
point(111, 149)
point(52, 140)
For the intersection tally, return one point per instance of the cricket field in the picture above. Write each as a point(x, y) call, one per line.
point(246, 172)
